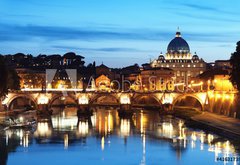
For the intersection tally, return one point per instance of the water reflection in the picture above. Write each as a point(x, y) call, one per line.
point(150, 136)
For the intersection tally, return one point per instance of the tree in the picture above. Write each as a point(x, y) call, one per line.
point(3, 78)
point(13, 80)
point(235, 62)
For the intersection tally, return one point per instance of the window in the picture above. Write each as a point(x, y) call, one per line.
point(178, 73)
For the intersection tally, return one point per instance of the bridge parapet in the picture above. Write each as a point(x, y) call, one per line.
point(89, 97)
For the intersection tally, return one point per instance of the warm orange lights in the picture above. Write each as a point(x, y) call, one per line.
point(43, 99)
point(125, 99)
point(83, 100)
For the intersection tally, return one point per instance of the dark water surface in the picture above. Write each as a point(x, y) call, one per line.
point(104, 138)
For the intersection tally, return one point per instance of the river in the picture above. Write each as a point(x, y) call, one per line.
point(146, 138)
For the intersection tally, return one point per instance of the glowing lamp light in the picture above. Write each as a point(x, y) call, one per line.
point(227, 96)
point(218, 96)
point(167, 100)
point(193, 136)
point(83, 100)
point(43, 99)
point(125, 100)
point(43, 129)
point(125, 127)
point(83, 128)
point(4, 102)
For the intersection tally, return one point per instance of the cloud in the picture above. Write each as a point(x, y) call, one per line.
point(208, 17)
point(11, 32)
point(200, 7)
point(29, 33)
point(111, 49)
point(208, 8)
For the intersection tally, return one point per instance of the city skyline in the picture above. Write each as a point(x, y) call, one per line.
point(118, 33)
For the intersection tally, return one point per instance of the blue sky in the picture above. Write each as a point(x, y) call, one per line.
point(118, 32)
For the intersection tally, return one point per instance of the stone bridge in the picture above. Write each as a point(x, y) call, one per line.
point(198, 100)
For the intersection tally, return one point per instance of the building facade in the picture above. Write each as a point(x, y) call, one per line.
point(186, 66)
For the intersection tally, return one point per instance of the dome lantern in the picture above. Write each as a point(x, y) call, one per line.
point(178, 45)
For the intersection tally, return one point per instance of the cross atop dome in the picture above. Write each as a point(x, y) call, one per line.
point(178, 33)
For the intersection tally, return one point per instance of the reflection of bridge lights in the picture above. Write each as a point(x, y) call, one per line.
point(110, 122)
point(182, 134)
point(194, 137)
point(141, 123)
point(210, 138)
point(65, 141)
point(202, 140)
point(180, 124)
point(125, 127)
point(83, 128)
point(20, 135)
point(227, 147)
point(202, 137)
point(25, 140)
point(94, 119)
point(43, 129)
point(217, 150)
point(102, 143)
point(167, 129)
point(64, 122)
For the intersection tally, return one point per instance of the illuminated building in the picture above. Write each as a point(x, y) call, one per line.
point(179, 58)
point(157, 79)
point(217, 79)
point(103, 83)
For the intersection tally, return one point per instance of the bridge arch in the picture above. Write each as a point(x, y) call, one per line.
point(188, 100)
point(63, 100)
point(148, 99)
point(104, 98)
point(25, 97)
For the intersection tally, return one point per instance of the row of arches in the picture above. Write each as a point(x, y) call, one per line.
point(26, 101)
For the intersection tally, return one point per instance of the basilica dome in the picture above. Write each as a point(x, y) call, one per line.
point(178, 45)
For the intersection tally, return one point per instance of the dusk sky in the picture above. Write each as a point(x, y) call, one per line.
point(119, 32)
